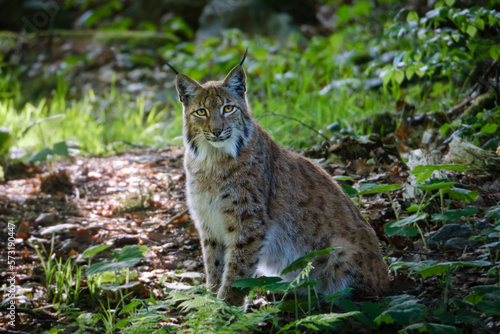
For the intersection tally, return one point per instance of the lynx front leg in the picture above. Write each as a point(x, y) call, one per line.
point(241, 261)
point(213, 257)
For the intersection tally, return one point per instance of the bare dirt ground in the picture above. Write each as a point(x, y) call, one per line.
point(137, 198)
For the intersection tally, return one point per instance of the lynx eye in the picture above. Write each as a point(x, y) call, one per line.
point(228, 109)
point(201, 112)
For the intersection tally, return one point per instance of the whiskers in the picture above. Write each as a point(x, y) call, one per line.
point(203, 149)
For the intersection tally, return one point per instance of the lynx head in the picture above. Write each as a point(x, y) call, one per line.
point(216, 115)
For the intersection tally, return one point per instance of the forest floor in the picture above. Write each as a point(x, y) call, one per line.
point(137, 198)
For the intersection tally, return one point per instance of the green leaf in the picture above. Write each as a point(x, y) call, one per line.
point(386, 75)
point(302, 262)
point(407, 231)
point(473, 298)
point(316, 322)
point(40, 156)
point(130, 306)
point(444, 129)
point(487, 291)
point(94, 250)
point(410, 71)
point(115, 287)
point(350, 191)
point(399, 76)
point(494, 51)
point(423, 172)
point(412, 17)
point(121, 324)
point(123, 277)
point(343, 14)
point(401, 309)
point(493, 213)
point(480, 24)
point(489, 128)
point(437, 269)
point(412, 208)
point(435, 184)
point(421, 70)
point(289, 286)
point(255, 282)
point(279, 287)
point(474, 263)
point(108, 266)
point(127, 258)
point(339, 294)
point(410, 220)
point(5, 140)
point(1, 173)
point(301, 303)
point(490, 308)
point(373, 188)
point(130, 252)
point(463, 194)
point(455, 215)
point(432, 328)
point(449, 3)
point(471, 30)
point(61, 148)
point(343, 178)
point(495, 245)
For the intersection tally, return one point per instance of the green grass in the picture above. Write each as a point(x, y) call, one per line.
point(286, 92)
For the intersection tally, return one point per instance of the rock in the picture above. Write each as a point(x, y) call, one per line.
point(67, 245)
point(482, 225)
point(458, 243)
point(253, 17)
point(190, 265)
point(465, 153)
point(48, 218)
point(125, 240)
point(485, 101)
point(57, 228)
point(449, 231)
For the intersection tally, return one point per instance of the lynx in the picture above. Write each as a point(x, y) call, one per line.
point(258, 206)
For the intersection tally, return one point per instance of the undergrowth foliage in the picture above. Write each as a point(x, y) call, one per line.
point(195, 309)
point(424, 59)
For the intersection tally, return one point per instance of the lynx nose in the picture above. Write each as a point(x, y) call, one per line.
point(216, 132)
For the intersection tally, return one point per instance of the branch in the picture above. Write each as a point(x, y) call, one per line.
point(296, 120)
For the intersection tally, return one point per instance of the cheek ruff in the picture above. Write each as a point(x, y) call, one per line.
point(235, 140)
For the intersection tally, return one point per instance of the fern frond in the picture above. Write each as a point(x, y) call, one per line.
point(319, 321)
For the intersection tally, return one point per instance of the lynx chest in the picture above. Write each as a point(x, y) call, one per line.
point(207, 205)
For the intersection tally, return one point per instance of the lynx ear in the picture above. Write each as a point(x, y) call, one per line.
point(236, 81)
point(186, 88)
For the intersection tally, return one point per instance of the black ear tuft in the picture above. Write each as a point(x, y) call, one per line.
point(244, 56)
point(172, 68)
point(187, 88)
point(236, 81)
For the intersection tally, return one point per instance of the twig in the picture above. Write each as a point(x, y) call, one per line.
point(414, 252)
point(178, 216)
point(455, 109)
point(33, 314)
point(10, 331)
point(174, 218)
point(296, 120)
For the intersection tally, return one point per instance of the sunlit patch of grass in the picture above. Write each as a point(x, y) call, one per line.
point(290, 90)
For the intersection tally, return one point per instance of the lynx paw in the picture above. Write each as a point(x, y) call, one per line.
point(232, 296)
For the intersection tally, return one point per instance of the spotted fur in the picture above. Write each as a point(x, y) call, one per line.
point(258, 207)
